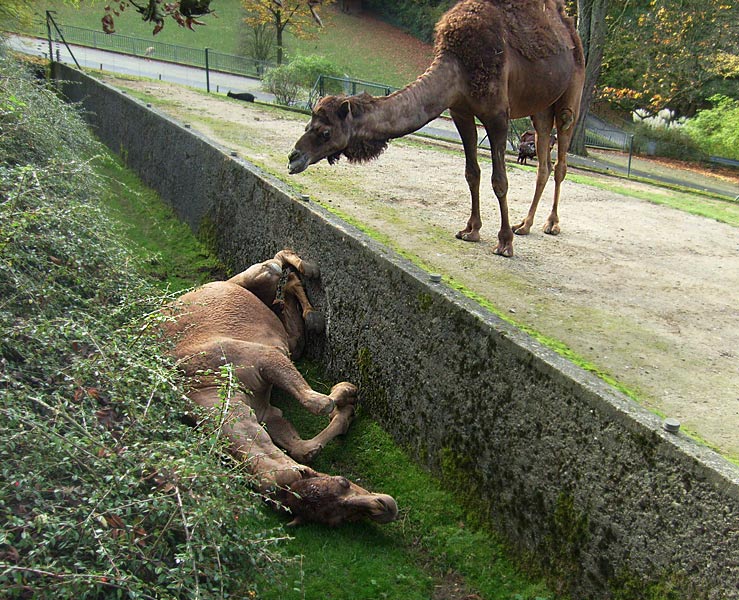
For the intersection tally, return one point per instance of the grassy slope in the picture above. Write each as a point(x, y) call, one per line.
point(397, 61)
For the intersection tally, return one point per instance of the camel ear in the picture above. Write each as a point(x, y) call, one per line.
point(345, 108)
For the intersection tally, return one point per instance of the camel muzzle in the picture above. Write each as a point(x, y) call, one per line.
point(298, 162)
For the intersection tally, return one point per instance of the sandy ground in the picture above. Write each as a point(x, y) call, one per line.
point(647, 294)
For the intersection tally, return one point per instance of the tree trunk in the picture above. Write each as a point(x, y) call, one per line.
point(591, 25)
point(279, 28)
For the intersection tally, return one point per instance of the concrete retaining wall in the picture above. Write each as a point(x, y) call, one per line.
point(567, 469)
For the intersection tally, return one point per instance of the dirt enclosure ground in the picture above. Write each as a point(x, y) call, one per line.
point(646, 293)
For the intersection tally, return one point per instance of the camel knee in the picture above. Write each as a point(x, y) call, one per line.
point(472, 174)
point(500, 188)
point(543, 171)
point(560, 171)
point(261, 280)
point(566, 119)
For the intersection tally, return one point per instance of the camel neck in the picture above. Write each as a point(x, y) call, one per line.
point(409, 109)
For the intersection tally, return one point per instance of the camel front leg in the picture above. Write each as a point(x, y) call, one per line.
point(543, 123)
point(277, 369)
point(467, 128)
point(249, 441)
point(497, 129)
point(286, 436)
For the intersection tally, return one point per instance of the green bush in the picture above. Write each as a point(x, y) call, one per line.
point(104, 492)
point(282, 83)
point(294, 81)
point(716, 130)
point(670, 142)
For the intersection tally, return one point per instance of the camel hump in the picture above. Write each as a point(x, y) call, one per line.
point(535, 28)
point(478, 33)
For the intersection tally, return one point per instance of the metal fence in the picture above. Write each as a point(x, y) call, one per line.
point(326, 84)
point(183, 55)
point(599, 134)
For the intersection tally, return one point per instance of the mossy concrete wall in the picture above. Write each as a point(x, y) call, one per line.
point(570, 471)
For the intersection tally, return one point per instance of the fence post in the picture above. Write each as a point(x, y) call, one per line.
point(631, 152)
point(48, 35)
point(207, 72)
point(50, 21)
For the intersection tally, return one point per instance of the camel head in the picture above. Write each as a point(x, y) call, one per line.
point(336, 128)
point(333, 500)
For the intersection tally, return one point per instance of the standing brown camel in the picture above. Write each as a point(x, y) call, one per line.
point(495, 60)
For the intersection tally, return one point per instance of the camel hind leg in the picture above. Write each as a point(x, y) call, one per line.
point(297, 314)
point(263, 279)
point(565, 120)
point(284, 434)
point(543, 123)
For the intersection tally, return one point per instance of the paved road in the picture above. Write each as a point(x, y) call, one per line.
point(91, 58)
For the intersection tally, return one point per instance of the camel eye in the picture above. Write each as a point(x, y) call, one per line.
point(326, 134)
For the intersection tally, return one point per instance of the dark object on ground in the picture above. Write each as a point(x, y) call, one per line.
point(245, 96)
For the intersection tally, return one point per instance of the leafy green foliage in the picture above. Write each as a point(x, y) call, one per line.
point(293, 81)
point(670, 54)
point(716, 130)
point(103, 490)
point(671, 142)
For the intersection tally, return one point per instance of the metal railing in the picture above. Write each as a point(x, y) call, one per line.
point(327, 84)
point(183, 55)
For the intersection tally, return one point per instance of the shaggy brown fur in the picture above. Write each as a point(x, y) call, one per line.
point(358, 150)
point(476, 32)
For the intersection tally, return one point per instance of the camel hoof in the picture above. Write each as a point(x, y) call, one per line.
point(468, 236)
point(309, 269)
point(344, 393)
point(552, 228)
point(315, 322)
point(506, 251)
point(522, 229)
point(309, 456)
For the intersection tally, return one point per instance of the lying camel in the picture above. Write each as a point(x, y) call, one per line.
point(241, 322)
